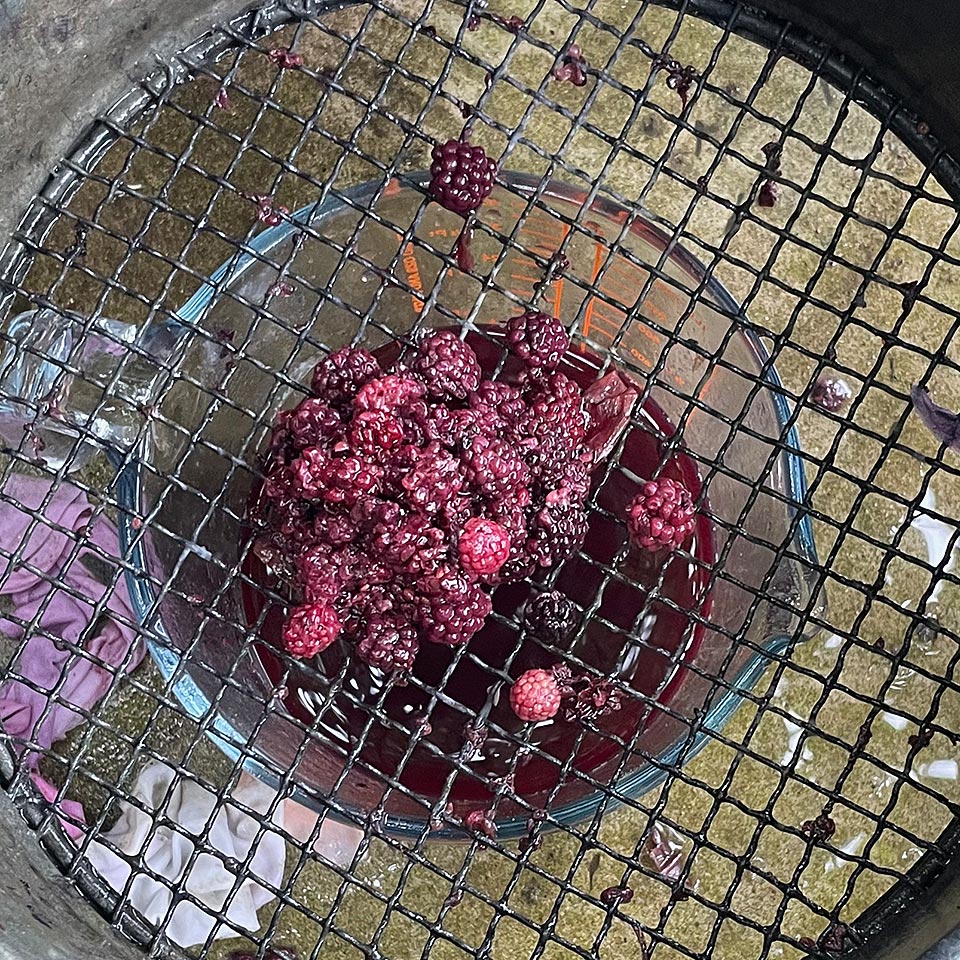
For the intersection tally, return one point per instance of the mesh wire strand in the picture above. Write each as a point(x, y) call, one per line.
point(171, 130)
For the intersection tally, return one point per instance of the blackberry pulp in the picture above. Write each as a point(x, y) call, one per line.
point(639, 630)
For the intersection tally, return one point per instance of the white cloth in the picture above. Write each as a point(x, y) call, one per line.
point(168, 852)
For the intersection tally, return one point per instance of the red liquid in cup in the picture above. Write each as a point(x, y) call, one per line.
point(628, 635)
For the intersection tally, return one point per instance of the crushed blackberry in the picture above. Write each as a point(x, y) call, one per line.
point(447, 365)
point(268, 211)
point(461, 176)
point(537, 339)
point(572, 67)
point(820, 828)
point(551, 617)
point(584, 696)
point(389, 393)
point(831, 394)
point(285, 58)
point(680, 77)
point(412, 546)
point(339, 376)
point(324, 571)
point(481, 821)
point(614, 896)
point(375, 433)
point(769, 194)
point(319, 475)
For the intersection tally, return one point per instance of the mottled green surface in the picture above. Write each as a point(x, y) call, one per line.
point(723, 796)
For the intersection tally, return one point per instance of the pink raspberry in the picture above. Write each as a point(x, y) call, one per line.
point(484, 547)
point(310, 629)
point(535, 696)
point(661, 516)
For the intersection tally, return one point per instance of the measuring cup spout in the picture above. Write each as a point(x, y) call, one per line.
point(71, 386)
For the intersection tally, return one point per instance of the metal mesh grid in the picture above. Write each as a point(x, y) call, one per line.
point(848, 273)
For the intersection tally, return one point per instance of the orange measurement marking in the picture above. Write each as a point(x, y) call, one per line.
point(588, 316)
point(523, 276)
point(412, 269)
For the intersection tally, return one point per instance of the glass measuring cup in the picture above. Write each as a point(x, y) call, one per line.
point(368, 266)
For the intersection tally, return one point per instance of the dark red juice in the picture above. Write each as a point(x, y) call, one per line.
point(639, 630)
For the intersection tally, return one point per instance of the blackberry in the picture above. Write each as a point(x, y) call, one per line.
point(388, 643)
point(375, 432)
point(483, 547)
point(537, 339)
point(556, 418)
point(451, 609)
point(551, 617)
point(560, 478)
point(339, 376)
point(334, 528)
point(389, 392)
point(367, 512)
point(457, 429)
point(313, 422)
point(334, 479)
point(324, 571)
point(461, 176)
point(310, 629)
point(498, 403)
point(448, 366)
point(495, 468)
point(411, 546)
point(434, 481)
point(556, 532)
point(661, 516)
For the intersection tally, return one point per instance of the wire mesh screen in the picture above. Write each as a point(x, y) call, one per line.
point(742, 220)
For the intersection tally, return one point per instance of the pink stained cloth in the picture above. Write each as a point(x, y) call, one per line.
point(44, 661)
